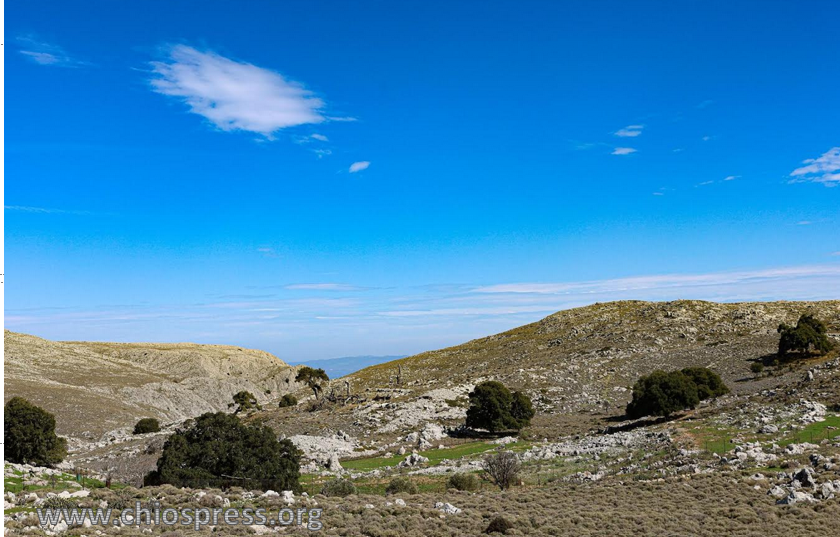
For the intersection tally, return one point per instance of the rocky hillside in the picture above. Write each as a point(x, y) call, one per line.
point(97, 387)
point(585, 356)
point(574, 364)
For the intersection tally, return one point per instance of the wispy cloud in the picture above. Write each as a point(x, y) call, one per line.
point(235, 96)
point(42, 210)
point(731, 177)
point(804, 223)
point(44, 53)
point(359, 166)
point(320, 137)
point(630, 131)
point(824, 169)
point(685, 282)
point(623, 151)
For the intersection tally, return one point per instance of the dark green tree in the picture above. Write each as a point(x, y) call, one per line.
point(288, 400)
point(809, 335)
point(494, 408)
point(313, 378)
point(521, 409)
point(217, 449)
point(29, 434)
point(147, 425)
point(662, 394)
point(245, 401)
point(709, 384)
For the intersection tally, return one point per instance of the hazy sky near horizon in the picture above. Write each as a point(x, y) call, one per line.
point(327, 178)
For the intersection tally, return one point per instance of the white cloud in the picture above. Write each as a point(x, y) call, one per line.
point(44, 53)
point(630, 131)
point(359, 166)
point(804, 223)
point(42, 210)
point(235, 96)
point(623, 151)
point(683, 282)
point(731, 177)
point(825, 169)
point(320, 138)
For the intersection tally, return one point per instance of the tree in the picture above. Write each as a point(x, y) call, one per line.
point(521, 409)
point(217, 449)
point(245, 400)
point(312, 377)
point(29, 434)
point(662, 394)
point(147, 425)
point(494, 408)
point(502, 468)
point(288, 400)
point(809, 335)
point(709, 384)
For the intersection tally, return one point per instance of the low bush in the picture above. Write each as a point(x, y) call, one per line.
point(401, 485)
point(338, 488)
point(498, 525)
point(502, 469)
point(466, 482)
point(147, 425)
point(756, 367)
point(288, 400)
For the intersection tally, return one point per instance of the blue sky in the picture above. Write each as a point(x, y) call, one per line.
point(320, 179)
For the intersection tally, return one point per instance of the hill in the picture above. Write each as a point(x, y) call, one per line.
point(575, 364)
point(94, 388)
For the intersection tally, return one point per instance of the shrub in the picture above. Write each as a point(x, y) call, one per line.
point(498, 525)
point(709, 383)
point(809, 335)
point(217, 449)
point(338, 487)
point(57, 503)
point(288, 400)
point(147, 425)
point(756, 367)
point(29, 434)
point(312, 377)
point(501, 468)
point(244, 401)
point(466, 482)
point(662, 394)
point(401, 485)
point(494, 408)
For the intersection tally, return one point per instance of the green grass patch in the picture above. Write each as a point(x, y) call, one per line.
point(813, 432)
point(435, 456)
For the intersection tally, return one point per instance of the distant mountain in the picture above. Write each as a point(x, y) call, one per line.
point(338, 367)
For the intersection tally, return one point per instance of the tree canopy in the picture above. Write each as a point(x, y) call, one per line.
point(662, 394)
point(29, 434)
point(245, 401)
point(312, 377)
point(809, 335)
point(495, 408)
point(217, 449)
